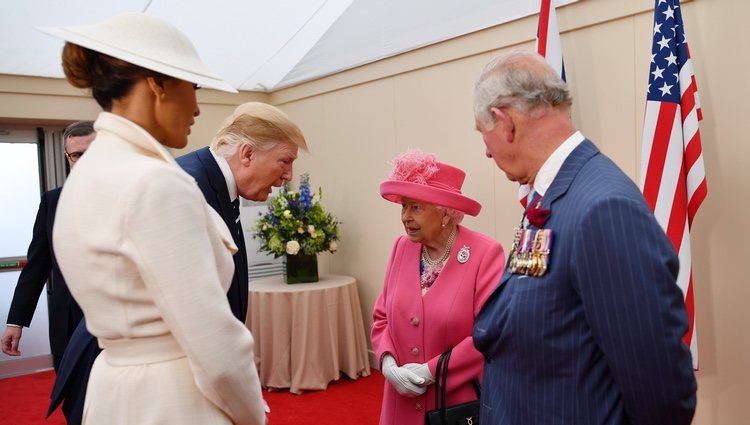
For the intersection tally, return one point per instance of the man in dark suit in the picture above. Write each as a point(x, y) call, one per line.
point(586, 324)
point(64, 313)
point(252, 152)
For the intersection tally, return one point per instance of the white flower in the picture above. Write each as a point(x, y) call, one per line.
point(333, 246)
point(311, 229)
point(287, 213)
point(265, 227)
point(292, 247)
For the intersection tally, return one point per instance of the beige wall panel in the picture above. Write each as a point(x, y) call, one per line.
point(600, 72)
point(433, 112)
point(206, 125)
point(351, 133)
point(215, 107)
point(46, 107)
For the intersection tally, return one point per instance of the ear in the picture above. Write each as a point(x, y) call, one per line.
point(157, 87)
point(245, 153)
point(504, 123)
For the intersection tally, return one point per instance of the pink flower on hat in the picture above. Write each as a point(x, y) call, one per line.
point(414, 166)
point(418, 175)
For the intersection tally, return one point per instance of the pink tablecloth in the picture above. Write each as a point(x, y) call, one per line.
point(307, 334)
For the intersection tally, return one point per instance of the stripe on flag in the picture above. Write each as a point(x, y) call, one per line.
point(673, 179)
point(547, 45)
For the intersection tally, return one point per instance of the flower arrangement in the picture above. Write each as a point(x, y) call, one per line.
point(296, 223)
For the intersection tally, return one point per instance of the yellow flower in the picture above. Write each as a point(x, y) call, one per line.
point(287, 213)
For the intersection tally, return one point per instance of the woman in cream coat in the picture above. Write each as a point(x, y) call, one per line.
point(146, 258)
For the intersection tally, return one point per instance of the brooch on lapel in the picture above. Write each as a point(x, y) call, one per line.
point(463, 254)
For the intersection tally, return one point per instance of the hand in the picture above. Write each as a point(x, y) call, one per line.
point(10, 340)
point(421, 370)
point(406, 382)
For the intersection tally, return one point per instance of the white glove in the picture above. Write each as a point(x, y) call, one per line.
point(421, 370)
point(406, 382)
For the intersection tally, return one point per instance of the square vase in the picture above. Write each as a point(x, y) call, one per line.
point(301, 268)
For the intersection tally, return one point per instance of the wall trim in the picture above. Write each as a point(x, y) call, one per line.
point(25, 366)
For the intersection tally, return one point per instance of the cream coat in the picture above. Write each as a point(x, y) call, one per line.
point(149, 262)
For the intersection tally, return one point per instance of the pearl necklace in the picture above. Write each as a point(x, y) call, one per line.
point(446, 252)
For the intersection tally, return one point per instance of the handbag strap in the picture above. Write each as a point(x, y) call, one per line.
point(477, 387)
point(441, 374)
point(441, 381)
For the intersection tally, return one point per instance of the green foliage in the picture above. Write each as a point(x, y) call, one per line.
point(297, 223)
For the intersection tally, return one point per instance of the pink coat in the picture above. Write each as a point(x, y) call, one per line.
point(416, 329)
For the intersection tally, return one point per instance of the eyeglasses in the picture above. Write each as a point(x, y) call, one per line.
point(74, 156)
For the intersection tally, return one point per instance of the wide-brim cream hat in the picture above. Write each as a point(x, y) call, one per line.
point(146, 41)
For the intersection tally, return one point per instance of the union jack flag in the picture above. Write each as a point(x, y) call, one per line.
point(672, 178)
point(547, 45)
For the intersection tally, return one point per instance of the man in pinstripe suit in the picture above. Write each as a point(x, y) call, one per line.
point(594, 336)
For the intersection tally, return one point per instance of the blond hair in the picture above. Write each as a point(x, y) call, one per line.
point(259, 125)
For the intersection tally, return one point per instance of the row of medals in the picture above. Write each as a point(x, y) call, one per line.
point(530, 252)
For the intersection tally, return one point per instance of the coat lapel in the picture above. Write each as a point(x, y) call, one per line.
point(570, 168)
point(219, 184)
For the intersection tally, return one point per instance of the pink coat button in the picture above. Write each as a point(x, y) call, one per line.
point(418, 406)
point(415, 351)
point(415, 321)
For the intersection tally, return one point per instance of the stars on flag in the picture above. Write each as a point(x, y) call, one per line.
point(668, 52)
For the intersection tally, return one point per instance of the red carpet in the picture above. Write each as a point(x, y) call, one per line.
point(24, 401)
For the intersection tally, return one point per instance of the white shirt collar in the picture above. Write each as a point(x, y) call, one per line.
point(228, 176)
point(552, 165)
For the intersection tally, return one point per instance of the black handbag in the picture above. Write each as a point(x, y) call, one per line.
point(458, 414)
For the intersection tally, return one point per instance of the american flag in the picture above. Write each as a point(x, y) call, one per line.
point(673, 179)
point(547, 45)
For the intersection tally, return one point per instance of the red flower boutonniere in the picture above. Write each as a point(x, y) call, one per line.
point(537, 216)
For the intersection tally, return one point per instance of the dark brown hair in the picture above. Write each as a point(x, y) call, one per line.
point(108, 78)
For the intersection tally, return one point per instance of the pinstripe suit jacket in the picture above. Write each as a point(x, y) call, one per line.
point(597, 339)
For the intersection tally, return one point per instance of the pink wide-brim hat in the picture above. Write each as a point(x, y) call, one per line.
point(430, 181)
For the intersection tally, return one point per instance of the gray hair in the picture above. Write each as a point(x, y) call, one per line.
point(456, 215)
point(78, 129)
point(521, 80)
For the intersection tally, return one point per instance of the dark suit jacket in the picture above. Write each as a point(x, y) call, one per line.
point(598, 338)
point(64, 313)
point(73, 374)
point(203, 167)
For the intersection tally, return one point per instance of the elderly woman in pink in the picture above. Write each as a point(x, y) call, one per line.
point(438, 277)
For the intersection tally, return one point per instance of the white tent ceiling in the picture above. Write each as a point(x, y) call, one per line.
point(259, 45)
